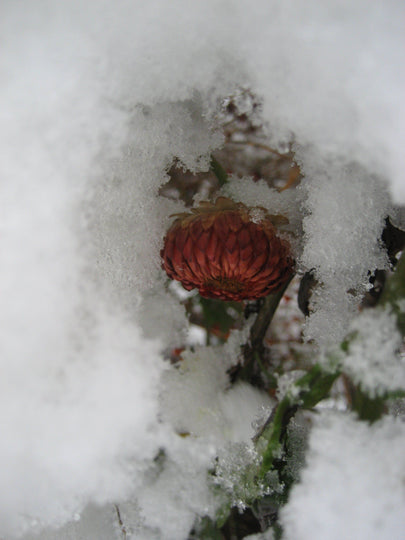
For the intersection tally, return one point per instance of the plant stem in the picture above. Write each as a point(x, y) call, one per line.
point(309, 390)
point(261, 324)
point(219, 172)
point(315, 385)
point(394, 292)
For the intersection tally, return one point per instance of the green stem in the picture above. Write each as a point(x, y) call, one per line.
point(310, 389)
point(219, 172)
point(265, 315)
point(316, 384)
point(394, 292)
point(261, 324)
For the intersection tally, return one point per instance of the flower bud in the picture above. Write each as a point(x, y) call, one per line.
point(227, 251)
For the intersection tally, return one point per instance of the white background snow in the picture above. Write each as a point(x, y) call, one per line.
point(97, 99)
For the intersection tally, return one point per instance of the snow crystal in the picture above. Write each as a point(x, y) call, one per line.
point(160, 315)
point(127, 220)
point(76, 426)
point(209, 419)
point(236, 473)
point(286, 204)
point(373, 360)
point(190, 392)
point(333, 75)
point(196, 400)
point(297, 442)
point(397, 408)
point(176, 489)
point(237, 338)
point(286, 384)
point(94, 522)
point(268, 535)
point(352, 486)
point(346, 208)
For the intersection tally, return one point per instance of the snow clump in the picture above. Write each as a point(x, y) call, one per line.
point(353, 483)
point(374, 360)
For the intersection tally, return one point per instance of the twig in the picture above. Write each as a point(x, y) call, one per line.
point(262, 147)
point(121, 524)
point(295, 171)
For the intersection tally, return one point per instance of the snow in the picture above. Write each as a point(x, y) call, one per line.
point(352, 486)
point(235, 473)
point(76, 424)
point(180, 489)
point(196, 398)
point(342, 257)
point(281, 205)
point(268, 535)
point(374, 360)
point(333, 74)
point(97, 102)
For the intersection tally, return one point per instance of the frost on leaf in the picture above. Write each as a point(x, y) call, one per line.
point(236, 474)
point(374, 360)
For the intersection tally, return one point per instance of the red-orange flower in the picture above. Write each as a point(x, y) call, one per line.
point(227, 251)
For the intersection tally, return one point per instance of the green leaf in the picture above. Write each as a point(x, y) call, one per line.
point(207, 530)
point(366, 407)
point(305, 393)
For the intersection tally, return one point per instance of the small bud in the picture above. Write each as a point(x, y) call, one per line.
point(227, 251)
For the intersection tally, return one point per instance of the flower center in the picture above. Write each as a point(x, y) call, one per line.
point(224, 284)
